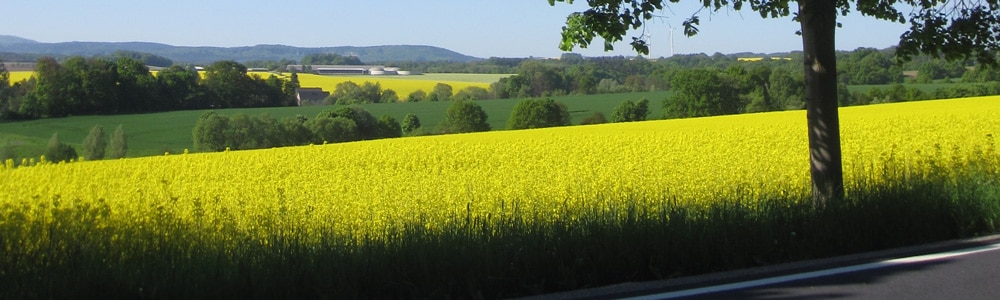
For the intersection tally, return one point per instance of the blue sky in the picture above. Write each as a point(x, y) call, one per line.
point(510, 28)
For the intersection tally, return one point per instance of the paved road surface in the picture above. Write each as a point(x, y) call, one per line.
point(972, 273)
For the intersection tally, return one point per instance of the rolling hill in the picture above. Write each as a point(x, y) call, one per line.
point(197, 55)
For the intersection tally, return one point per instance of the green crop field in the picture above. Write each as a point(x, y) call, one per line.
point(156, 133)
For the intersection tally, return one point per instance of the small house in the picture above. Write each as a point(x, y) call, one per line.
point(308, 96)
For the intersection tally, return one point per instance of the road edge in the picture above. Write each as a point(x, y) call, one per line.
point(631, 289)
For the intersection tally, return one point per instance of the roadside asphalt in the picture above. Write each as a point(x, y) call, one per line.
point(827, 286)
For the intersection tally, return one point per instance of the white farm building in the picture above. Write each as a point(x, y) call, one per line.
point(348, 70)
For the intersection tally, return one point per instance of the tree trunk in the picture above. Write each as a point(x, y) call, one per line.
point(819, 22)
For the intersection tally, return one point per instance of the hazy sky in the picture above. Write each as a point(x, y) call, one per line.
point(501, 28)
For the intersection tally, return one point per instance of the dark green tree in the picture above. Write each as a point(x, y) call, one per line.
point(242, 133)
point(179, 88)
point(538, 113)
point(295, 131)
point(53, 90)
point(136, 86)
point(630, 111)
point(472, 93)
point(442, 92)
point(291, 86)
point(410, 123)
point(6, 91)
point(786, 91)
point(119, 143)
point(388, 96)
point(346, 93)
point(228, 83)
point(388, 127)
point(273, 90)
point(365, 123)
point(99, 84)
point(371, 92)
point(465, 116)
point(700, 93)
point(334, 129)
point(95, 144)
point(209, 132)
point(417, 96)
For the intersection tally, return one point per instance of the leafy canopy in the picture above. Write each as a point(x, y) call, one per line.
point(953, 29)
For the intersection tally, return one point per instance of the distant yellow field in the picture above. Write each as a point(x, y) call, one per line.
point(757, 59)
point(20, 75)
point(402, 85)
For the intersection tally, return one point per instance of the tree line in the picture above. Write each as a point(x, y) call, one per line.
point(99, 85)
point(88, 86)
point(214, 132)
point(761, 87)
point(575, 74)
point(349, 93)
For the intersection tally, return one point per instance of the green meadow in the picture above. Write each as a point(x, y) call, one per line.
point(157, 133)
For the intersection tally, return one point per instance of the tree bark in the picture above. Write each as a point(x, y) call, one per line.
point(819, 22)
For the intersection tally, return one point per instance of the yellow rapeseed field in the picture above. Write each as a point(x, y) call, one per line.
point(16, 76)
point(367, 188)
point(402, 86)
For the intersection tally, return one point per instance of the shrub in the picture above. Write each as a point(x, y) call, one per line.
point(631, 112)
point(56, 151)
point(334, 130)
point(364, 121)
point(465, 116)
point(119, 143)
point(538, 113)
point(210, 132)
point(410, 123)
point(596, 118)
point(472, 93)
point(388, 127)
point(95, 144)
point(295, 131)
point(442, 92)
point(417, 96)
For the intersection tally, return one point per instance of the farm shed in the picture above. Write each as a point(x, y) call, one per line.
point(347, 69)
point(309, 96)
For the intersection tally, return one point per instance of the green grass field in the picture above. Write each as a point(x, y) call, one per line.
point(156, 133)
